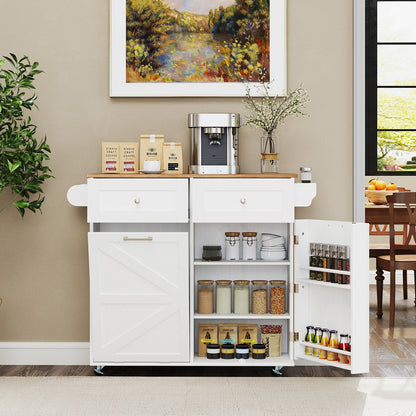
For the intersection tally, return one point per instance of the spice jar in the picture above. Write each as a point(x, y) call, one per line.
point(333, 343)
point(232, 246)
point(310, 335)
point(277, 296)
point(259, 351)
point(241, 297)
point(211, 253)
point(249, 246)
point(259, 296)
point(205, 296)
point(227, 351)
point(242, 351)
point(324, 342)
point(344, 345)
point(223, 297)
point(213, 351)
point(305, 175)
point(316, 340)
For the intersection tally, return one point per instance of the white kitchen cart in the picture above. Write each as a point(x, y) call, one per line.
point(145, 250)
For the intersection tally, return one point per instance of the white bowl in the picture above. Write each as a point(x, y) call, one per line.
point(271, 240)
point(272, 256)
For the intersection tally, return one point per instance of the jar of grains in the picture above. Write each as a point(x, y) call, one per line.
point(241, 297)
point(223, 297)
point(277, 296)
point(259, 296)
point(205, 296)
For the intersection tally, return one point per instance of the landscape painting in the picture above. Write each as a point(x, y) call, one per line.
point(197, 41)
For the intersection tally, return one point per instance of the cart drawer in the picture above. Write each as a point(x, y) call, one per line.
point(137, 200)
point(242, 200)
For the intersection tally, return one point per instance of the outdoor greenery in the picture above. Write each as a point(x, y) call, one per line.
point(228, 45)
point(22, 156)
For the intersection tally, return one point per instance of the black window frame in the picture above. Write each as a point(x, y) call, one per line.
point(371, 89)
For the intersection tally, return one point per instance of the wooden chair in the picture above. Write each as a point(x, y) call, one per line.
point(402, 256)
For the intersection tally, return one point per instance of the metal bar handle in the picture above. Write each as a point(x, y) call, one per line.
point(138, 239)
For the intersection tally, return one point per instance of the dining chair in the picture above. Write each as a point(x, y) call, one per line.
point(402, 255)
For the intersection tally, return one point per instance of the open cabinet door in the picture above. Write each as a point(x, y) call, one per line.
point(341, 307)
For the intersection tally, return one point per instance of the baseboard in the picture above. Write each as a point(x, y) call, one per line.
point(44, 353)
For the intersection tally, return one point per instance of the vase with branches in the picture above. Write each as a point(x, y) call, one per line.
point(267, 112)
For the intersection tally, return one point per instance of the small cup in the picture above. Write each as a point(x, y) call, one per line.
point(151, 165)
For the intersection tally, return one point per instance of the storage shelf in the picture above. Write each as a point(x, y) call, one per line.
point(233, 316)
point(199, 262)
point(321, 269)
point(321, 347)
point(326, 284)
point(325, 362)
point(283, 360)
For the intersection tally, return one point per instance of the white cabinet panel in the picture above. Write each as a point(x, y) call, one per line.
point(139, 297)
point(331, 305)
point(242, 200)
point(137, 200)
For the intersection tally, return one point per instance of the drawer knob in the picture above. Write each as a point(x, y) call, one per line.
point(243, 201)
point(137, 201)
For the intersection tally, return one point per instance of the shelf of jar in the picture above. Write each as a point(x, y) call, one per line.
point(321, 347)
point(321, 269)
point(233, 316)
point(324, 362)
point(199, 262)
point(326, 284)
point(283, 360)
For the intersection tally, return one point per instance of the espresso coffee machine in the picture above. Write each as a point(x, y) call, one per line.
point(214, 143)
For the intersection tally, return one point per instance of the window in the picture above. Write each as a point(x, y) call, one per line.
point(390, 87)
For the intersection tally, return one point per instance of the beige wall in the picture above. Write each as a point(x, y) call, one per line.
point(43, 259)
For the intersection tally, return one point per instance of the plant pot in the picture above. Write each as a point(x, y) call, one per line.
point(269, 154)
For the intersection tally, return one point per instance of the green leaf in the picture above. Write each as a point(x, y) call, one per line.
point(21, 204)
point(13, 166)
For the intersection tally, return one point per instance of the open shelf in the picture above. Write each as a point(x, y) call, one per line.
point(324, 362)
point(241, 317)
point(199, 262)
point(325, 284)
point(283, 360)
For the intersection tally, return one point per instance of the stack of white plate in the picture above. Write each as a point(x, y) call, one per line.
point(272, 247)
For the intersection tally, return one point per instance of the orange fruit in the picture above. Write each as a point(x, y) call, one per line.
point(391, 187)
point(371, 187)
point(380, 185)
point(373, 181)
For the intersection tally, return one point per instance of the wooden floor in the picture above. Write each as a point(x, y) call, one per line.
point(392, 353)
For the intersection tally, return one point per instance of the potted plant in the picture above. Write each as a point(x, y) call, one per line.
point(267, 113)
point(22, 156)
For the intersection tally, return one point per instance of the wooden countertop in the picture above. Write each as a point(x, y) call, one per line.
point(191, 175)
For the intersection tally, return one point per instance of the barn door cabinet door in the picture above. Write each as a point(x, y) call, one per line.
point(139, 297)
point(343, 307)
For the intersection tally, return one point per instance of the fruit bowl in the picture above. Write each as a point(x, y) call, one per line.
point(378, 197)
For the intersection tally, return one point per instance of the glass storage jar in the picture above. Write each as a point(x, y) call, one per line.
point(205, 296)
point(223, 297)
point(249, 246)
point(259, 296)
point(277, 296)
point(241, 297)
point(211, 253)
point(232, 246)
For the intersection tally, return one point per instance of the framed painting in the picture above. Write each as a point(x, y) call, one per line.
point(196, 48)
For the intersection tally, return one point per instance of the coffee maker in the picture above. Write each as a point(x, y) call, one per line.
point(214, 143)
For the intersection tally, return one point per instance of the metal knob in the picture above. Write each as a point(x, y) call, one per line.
point(243, 201)
point(137, 201)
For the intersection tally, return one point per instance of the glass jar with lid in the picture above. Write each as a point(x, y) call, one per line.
point(205, 296)
point(259, 296)
point(249, 246)
point(241, 297)
point(223, 297)
point(232, 245)
point(277, 296)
